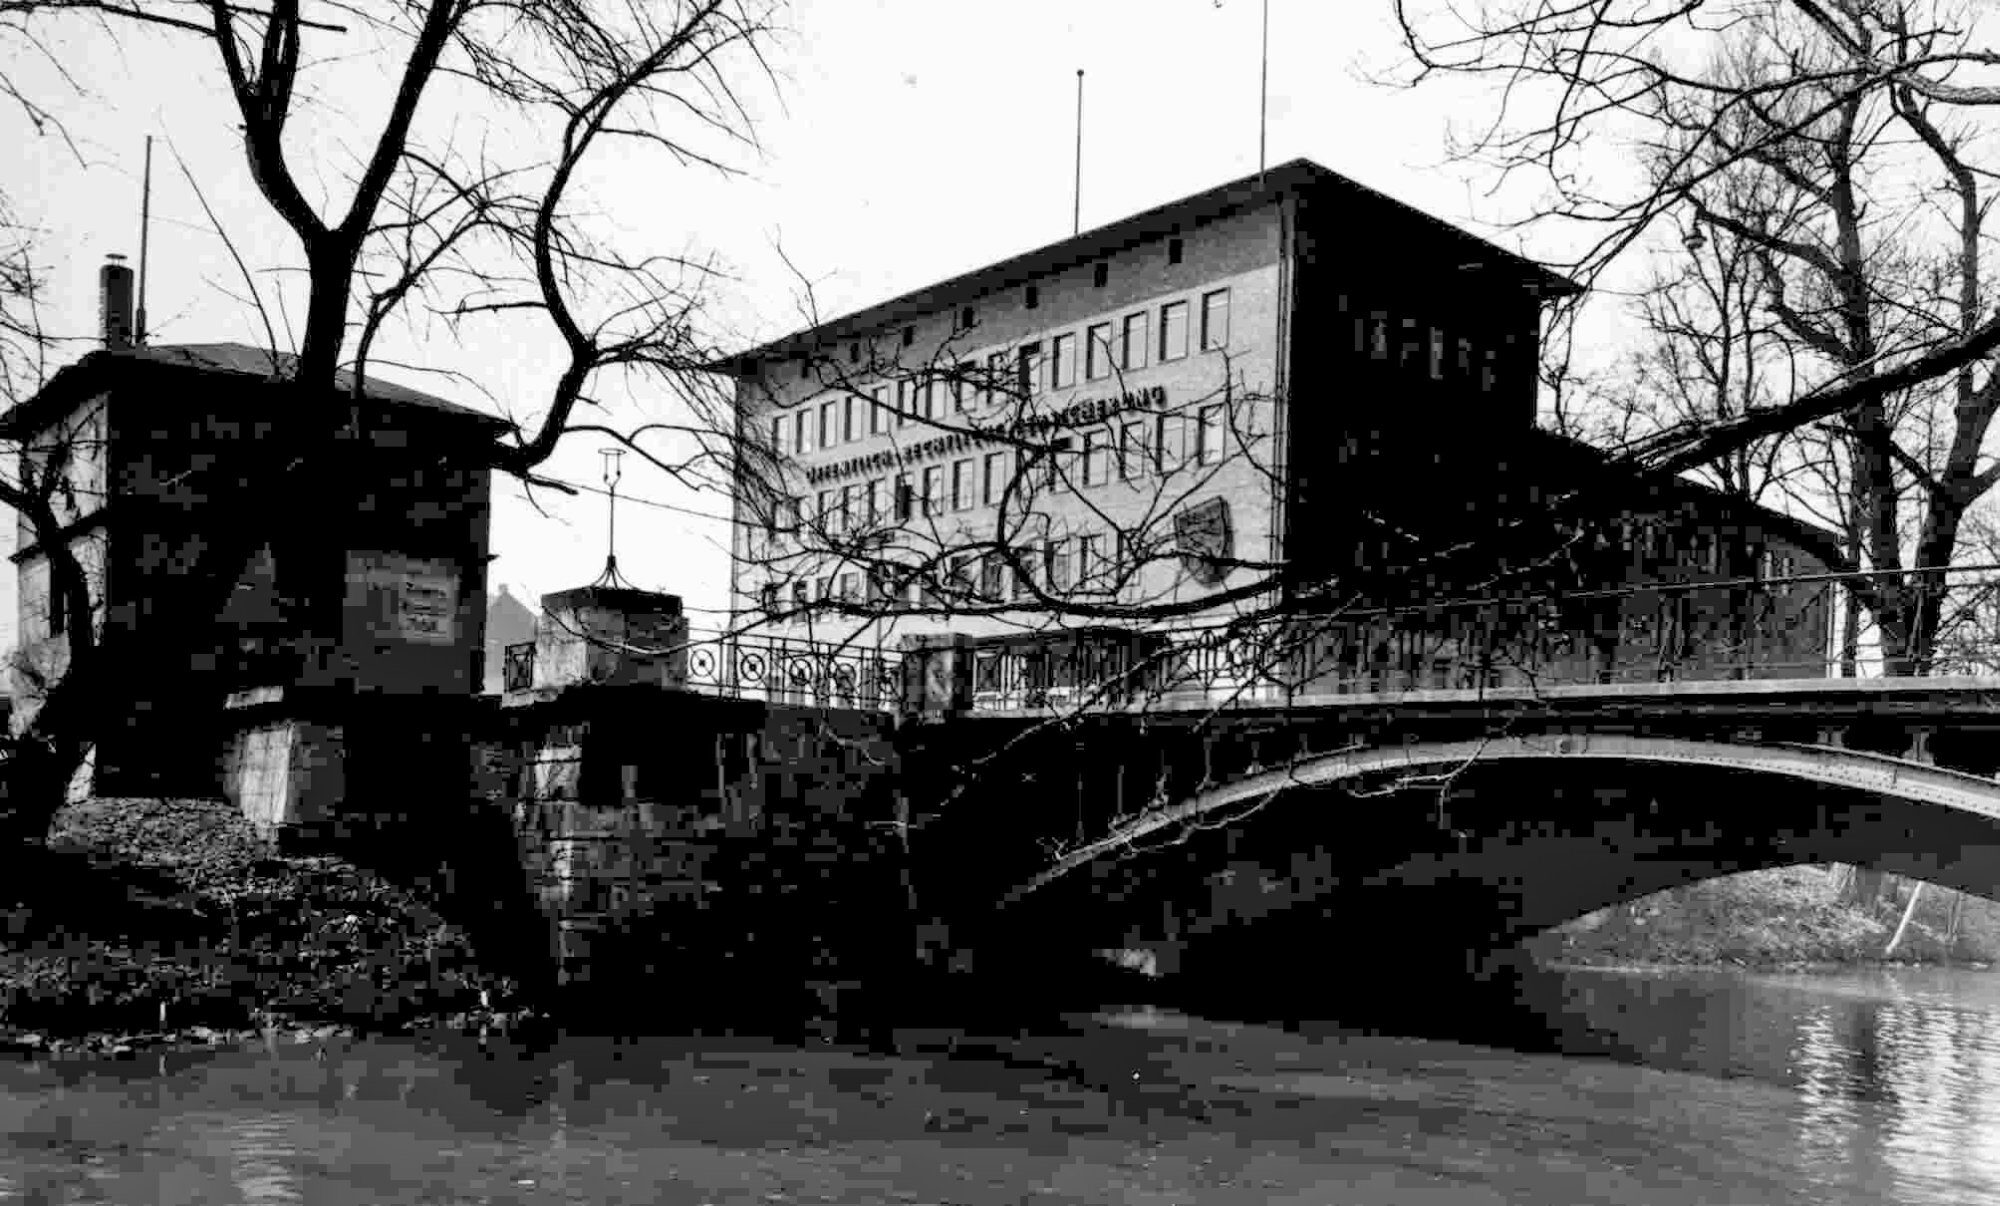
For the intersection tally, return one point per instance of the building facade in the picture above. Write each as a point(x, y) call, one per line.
point(1200, 410)
point(372, 584)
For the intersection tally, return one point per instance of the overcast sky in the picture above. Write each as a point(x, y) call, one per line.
point(906, 141)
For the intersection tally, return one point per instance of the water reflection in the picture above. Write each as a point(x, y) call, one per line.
point(1724, 1088)
point(1897, 1074)
point(263, 1162)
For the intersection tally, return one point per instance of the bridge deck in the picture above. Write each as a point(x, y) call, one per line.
point(1960, 695)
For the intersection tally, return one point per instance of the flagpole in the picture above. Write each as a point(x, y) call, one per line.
point(1076, 217)
point(1263, 87)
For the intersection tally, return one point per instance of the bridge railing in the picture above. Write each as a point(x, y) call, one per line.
point(1720, 632)
point(1716, 632)
point(769, 668)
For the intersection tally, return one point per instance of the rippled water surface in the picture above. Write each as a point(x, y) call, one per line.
point(1684, 1087)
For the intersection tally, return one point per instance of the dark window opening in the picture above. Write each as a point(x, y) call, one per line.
point(1100, 276)
point(1034, 297)
point(909, 336)
point(965, 319)
point(854, 353)
point(805, 368)
point(1174, 251)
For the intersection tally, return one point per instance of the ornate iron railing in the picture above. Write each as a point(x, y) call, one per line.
point(1725, 630)
point(789, 670)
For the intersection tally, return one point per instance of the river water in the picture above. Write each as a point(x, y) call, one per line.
point(1679, 1087)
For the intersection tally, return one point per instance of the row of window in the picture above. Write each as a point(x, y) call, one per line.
point(1108, 347)
point(1415, 346)
point(1031, 298)
point(1093, 562)
point(1142, 446)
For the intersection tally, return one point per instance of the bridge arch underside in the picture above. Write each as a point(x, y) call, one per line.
point(1444, 854)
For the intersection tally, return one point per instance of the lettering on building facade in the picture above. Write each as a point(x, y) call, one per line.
point(1089, 410)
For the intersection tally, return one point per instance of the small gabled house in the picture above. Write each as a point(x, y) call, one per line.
point(370, 580)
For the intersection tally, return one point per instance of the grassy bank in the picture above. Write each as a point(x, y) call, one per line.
point(1786, 917)
point(147, 921)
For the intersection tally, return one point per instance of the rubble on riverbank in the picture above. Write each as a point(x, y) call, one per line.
point(144, 923)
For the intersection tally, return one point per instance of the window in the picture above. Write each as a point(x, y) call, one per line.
point(878, 410)
point(961, 485)
point(1093, 458)
point(1437, 354)
point(906, 400)
point(1027, 361)
point(1059, 565)
point(1170, 447)
point(905, 499)
point(1409, 345)
point(909, 336)
point(1173, 330)
point(993, 482)
point(1174, 249)
point(1134, 450)
point(1100, 275)
point(961, 387)
point(1023, 576)
point(965, 318)
point(1214, 320)
point(778, 433)
point(825, 590)
point(1062, 362)
point(850, 587)
point(1464, 372)
point(1058, 462)
point(927, 395)
point(829, 435)
point(801, 437)
point(850, 419)
point(769, 598)
point(798, 600)
point(1208, 448)
point(933, 479)
point(849, 517)
point(992, 575)
point(1378, 335)
point(1033, 298)
point(805, 368)
point(878, 501)
point(1134, 356)
point(854, 353)
point(1097, 352)
point(1090, 561)
point(824, 514)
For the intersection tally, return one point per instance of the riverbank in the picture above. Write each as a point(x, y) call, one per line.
point(144, 923)
point(1784, 919)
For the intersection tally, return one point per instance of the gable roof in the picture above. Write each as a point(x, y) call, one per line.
point(1245, 193)
point(234, 359)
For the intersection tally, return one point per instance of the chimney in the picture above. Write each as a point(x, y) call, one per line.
point(114, 291)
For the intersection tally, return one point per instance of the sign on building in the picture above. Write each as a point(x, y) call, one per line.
point(405, 598)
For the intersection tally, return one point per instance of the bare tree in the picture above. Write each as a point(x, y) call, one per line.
point(426, 222)
point(1787, 136)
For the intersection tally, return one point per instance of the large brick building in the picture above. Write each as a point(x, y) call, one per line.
point(1281, 373)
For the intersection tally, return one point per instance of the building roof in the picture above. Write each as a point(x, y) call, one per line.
point(1236, 195)
point(236, 359)
point(1820, 542)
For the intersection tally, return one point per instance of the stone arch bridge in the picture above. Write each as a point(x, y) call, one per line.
point(1444, 825)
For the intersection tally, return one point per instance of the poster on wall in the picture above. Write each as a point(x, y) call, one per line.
point(405, 598)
